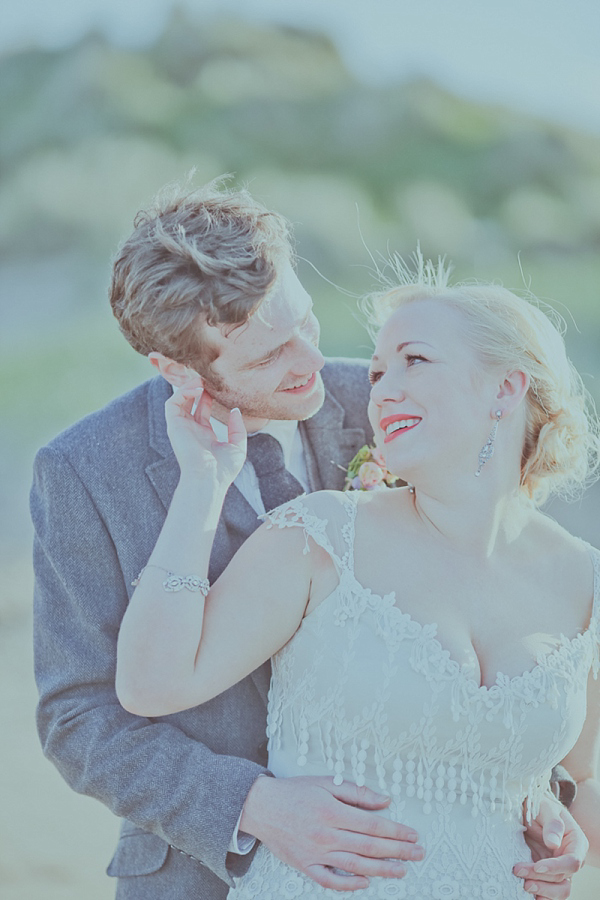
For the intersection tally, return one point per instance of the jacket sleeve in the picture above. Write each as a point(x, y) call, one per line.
point(151, 773)
point(563, 786)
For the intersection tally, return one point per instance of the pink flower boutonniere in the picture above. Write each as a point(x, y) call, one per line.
point(368, 472)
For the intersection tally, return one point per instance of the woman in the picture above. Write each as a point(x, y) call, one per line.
point(433, 641)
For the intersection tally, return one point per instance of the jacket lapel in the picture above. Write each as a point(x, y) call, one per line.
point(328, 446)
point(163, 471)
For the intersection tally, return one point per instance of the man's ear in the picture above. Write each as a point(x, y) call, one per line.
point(175, 373)
point(513, 389)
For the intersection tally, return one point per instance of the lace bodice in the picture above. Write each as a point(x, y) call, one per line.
point(364, 692)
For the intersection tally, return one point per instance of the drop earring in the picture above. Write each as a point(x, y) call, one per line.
point(487, 451)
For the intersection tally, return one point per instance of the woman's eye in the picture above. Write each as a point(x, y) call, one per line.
point(374, 377)
point(411, 359)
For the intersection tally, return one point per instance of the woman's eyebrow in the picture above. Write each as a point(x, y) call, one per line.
point(403, 345)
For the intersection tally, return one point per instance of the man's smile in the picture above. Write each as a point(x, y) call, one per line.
point(303, 387)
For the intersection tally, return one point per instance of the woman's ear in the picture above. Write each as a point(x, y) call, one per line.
point(173, 372)
point(512, 390)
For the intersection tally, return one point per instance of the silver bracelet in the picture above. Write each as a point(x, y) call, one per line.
point(174, 583)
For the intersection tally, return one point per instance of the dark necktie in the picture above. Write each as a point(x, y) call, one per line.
point(275, 483)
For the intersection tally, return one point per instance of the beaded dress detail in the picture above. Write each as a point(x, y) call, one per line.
point(363, 692)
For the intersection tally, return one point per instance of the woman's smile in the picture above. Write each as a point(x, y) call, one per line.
point(395, 425)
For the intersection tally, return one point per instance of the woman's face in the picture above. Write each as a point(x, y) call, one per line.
point(431, 399)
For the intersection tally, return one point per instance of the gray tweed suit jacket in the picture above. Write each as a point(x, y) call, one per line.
point(99, 498)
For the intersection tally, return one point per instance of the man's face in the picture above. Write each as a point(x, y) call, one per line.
point(269, 367)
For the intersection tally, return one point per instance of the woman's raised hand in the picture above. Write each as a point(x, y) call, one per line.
point(194, 442)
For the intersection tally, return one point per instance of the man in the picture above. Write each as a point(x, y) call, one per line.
point(203, 285)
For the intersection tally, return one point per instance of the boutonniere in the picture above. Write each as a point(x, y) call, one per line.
point(367, 471)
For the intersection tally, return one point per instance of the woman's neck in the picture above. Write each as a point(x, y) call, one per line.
point(473, 517)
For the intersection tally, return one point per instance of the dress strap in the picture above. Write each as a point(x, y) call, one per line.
point(323, 516)
point(349, 527)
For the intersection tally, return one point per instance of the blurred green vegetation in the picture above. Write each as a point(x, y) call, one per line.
point(92, 131)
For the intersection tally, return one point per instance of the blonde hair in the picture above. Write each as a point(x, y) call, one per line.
point(195, 257)
point(561, 450)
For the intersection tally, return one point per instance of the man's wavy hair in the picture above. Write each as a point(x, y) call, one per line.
point(561, 451)
point(195, 257)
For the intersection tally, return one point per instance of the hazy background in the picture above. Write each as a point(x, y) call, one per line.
point(474, 128)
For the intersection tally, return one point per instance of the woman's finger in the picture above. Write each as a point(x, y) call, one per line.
point(236, 430)
point(183, 399)
point(203, 410)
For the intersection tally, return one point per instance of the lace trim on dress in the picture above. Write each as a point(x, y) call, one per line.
point(295, 513)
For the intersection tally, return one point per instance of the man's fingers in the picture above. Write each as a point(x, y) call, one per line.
point(575, 842)
point(544, 891)
point(353, 795)
point(360, 865)
point(553, 831)
point(549, 870)
point(378, 847)
point(560, 866)
point(327, 878)
point(372, 826)
point(553, 827)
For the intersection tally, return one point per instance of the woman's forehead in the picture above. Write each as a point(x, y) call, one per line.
point(431, 320)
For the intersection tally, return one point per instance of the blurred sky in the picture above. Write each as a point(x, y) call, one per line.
point(540, 56)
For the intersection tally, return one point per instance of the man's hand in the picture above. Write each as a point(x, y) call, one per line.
point(318, 827)
point(558, 848)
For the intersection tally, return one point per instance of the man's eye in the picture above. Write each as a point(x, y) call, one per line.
point(267, 362)
point(374, 377)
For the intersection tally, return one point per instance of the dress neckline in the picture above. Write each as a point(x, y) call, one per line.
point(448, 663)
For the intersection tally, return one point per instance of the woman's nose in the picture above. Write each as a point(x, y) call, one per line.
point(387, 388)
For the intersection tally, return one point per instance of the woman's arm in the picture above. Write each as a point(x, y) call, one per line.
point(177, 650)
point(583, 763)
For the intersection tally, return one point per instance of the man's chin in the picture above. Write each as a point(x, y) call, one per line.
point(298, 407)
point(302, 408)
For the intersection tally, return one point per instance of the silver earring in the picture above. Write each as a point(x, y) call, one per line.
point(487, 451)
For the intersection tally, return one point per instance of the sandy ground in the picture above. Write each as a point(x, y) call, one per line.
point(54, 844)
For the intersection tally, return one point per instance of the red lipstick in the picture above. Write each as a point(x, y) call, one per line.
point(384, 423)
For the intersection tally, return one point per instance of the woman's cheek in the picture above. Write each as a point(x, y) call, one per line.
point(373, 413)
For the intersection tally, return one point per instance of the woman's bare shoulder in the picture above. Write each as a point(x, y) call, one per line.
point(571, 559)
point(552, 536)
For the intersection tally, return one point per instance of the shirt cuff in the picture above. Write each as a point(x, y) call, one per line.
point(241, 843)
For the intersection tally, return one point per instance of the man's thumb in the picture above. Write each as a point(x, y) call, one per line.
point(552, 832)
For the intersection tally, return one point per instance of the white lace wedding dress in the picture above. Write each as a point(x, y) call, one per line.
point(364, 692)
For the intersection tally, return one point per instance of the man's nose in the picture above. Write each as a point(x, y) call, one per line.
point(310, 358)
